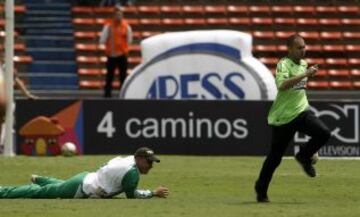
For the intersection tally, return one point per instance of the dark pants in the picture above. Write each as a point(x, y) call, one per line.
point(306, 123)
point(112, 63)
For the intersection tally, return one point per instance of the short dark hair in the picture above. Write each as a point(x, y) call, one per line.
point(290, 41)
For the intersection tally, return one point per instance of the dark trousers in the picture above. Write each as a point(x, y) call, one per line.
point(306, 123)
point(112, 63)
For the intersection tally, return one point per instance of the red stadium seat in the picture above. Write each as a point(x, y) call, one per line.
point(307, 22)
point(321, 73)
point(282, 48)
point(82, 10)
point(89, 47)
point(281, 9)
point(238, 9)
point(269, 61)
point(353, 47)
point(95, 84)
point(334, 48)
point(17, 47)
point(300, 10)
point(101, 21)
point(195, 21)
point(355, 72)
point(88, 59)
point(354, 62)
point(17, 8)
point(356, 84)
point(331, 35)
point(349, 9)
point(85, 35)
point(219, 9)
point(329, 22)
point(173, 21)
point(313, 61)
point(83, 21)
point(284, 34)
point(336, 61)
point(133, 21)
point(241, 21)
point(265, 48)
point(310, 35)
point(150, 21)
point(338, 72)
point(318, 84)
point(170, 9)
point(217, 21)
point(23, 59)
point(104, 10)
point(264, 34)
point(260, 9)
point(134, 60)
point(261, 21)
point(93, 72)
point(326, 10)
point(351, 35)
point(146, 34)
point(340, 85)
point(147, 9)
point(193, 9)
point(130, 10)
point(284, 21)
point(350, 22)
point(313, 47)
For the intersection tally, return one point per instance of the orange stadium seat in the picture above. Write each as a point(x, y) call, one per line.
point(321, 73)
point(92, 72)
point(88, 59)
point(284, 21)
point(133, 21)
point(150, 21)
point(350, 22)
point(89, 47)
point(23, 59)
point(282, 48)
point(340, 85)
point(85, 34)
point(103, 10)
point(83, 21)
point(241, 21)
point(329, 22)
point(310, 35)
point(313, 47)
point(146, 34)
point(95, 84)
point(265, 48)
point(354, 62)
point(284, 34)
point(101, 21)
point(356, 84)
point(261, 21)
point(130, 10)
point(318, 84)
point(306, 22)
point(313, 61)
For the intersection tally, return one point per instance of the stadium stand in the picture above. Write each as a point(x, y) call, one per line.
point(331, 29)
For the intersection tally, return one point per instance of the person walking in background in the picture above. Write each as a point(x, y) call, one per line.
point(290, 113)
point(116, 36)
point(116, 176)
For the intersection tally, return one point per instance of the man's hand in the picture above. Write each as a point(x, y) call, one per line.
point(311, 71)
point(162, 192)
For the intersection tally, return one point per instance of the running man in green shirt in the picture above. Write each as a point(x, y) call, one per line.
point(290, 113)
point(117, 176)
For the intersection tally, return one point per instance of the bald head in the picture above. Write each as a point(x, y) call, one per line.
point(296, 48)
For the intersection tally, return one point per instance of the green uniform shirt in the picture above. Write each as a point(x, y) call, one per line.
point(288, 103)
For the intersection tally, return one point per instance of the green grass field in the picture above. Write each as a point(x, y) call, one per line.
point(200, 186)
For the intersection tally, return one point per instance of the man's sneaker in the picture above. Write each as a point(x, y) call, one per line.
point(33, 178)
point(306, 165)
point(261, 195)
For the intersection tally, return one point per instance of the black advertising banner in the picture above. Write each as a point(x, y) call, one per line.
point(171, 127)
point(177, 127)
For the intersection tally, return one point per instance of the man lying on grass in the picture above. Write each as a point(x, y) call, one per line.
point(117, 176)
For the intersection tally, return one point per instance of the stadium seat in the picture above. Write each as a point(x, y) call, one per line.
point(355, 72)
point(313, 47)
point(83, 21)
point(269, 61)
point(92, 72)
point(3, 33)
point(282, 48)
point(133, 22)
point(277, 10)
point(321, 73)
point(318, 84)
point(171, 9)
point(306, 22)
point(150, 21)
point(241, 21)
point(130, 10)
point(347, 10)
point(356, 84)
point(265, 48)
point(353, 47)
point(338, 72)
point(256, 21)
point(103, 10)
point(284, 21)
point(217, 21)
point(82, 10)
point(89, 47)
point(95, 84)
point(17, 47)
point(17, 8)
point(193, 9)
point(350, 22)
point(256, 10)
point(88, 59)
point(146, 34)
point(300, 10)
point(313, 61)
point(331, 35)
point(195, 21)
point(218, 9)
point(264, 34)
point(85, 35)
point(134, 60)
point(329, 22)
point(284, 34)
point(334, 48)
point(237, 9)
point(336, 61)
point(173, 21)
point(325, 10)
point(149, 9)
point(340, 85)
point(101, 21)
point(23, 59)
point(310, 35)
point(354, 62)
point(351, 35)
